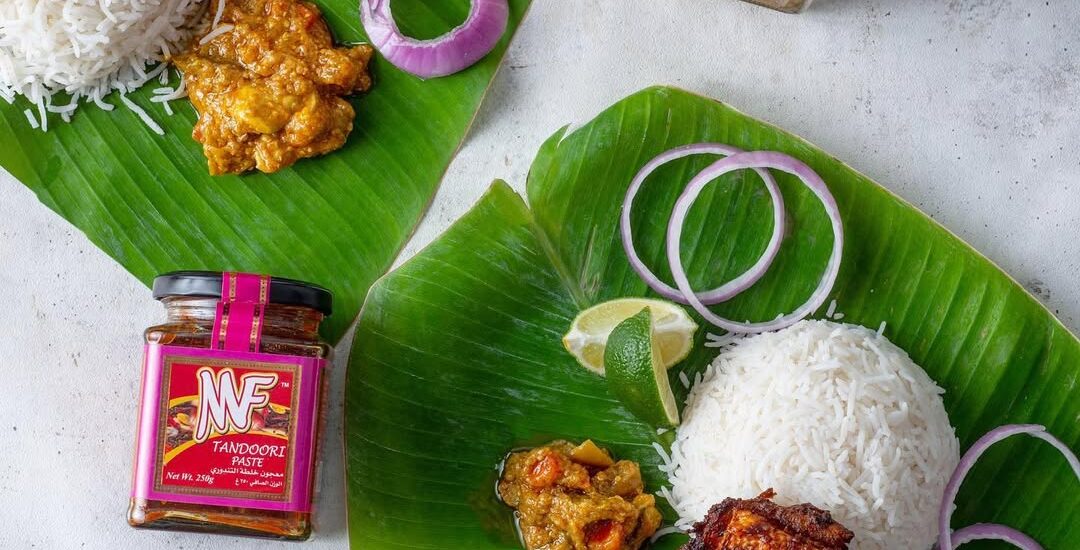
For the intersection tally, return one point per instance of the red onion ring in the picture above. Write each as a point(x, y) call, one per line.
point(731, 288)
point(948, 540)
point(445, 55)
point(744, 161)
point(993, 531)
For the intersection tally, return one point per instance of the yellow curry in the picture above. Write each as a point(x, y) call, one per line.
point(269, 86)
point(578, 498)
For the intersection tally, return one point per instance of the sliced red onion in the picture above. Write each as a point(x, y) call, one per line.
point(745, 161)
point(731, 288)
point(948, 540)
point(993, 531)
point(445, 55)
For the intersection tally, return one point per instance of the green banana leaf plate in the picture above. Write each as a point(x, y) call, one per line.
point(457, 358)
point(339, 220)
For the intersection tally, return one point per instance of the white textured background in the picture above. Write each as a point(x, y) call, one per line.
point(970, 109)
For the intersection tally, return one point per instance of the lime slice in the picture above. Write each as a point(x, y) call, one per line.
point(588, 335)
point(635, 374)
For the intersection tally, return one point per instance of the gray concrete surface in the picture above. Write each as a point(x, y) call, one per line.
point(967, 108)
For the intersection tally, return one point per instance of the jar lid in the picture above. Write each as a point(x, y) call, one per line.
point(208, 284)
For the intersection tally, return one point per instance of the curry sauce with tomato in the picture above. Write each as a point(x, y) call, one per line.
point(269, 87)
point(578, 498)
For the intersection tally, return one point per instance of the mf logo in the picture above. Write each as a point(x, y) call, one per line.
point(225, 405)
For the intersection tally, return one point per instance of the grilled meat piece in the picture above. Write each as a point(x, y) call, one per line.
point(761, 524)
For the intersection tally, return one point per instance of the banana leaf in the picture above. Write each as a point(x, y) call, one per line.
point(338, 220)
point(458, 359)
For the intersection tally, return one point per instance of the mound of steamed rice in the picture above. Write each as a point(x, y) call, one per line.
point(84, 50)
point(825, 413)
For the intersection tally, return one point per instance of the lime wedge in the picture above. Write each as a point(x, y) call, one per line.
point(635, 374)
point(673, 328)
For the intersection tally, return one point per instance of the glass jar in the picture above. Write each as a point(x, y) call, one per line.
point(289, 326)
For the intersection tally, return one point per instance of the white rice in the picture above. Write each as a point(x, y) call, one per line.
point(31, 120)
point(832, 313)
point(832, 309)
point(660, 533)
point(218, 31)
point(141, 114)
point(218, 12)
point(719, 341)
point(88, 49)
point(825, 413)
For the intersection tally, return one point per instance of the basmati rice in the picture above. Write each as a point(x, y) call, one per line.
point(719, 341)
point(825, 413)
point(660, 533)
point(30, 118)
point(218, 31)
point(142, 114)
point(88, 49)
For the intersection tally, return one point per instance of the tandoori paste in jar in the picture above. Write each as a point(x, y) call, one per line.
point(231, 406)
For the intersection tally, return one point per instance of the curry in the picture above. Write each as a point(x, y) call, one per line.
point(578, 498)
point(269, 86)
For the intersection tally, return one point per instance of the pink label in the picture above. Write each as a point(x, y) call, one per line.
point(240, 312)
point(227, 428)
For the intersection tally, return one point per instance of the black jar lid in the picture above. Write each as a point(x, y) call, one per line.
point(207, 284)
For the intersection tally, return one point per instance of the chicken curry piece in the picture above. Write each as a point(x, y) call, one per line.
point(570, 497)
point(269, 89)
point(761, 524)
